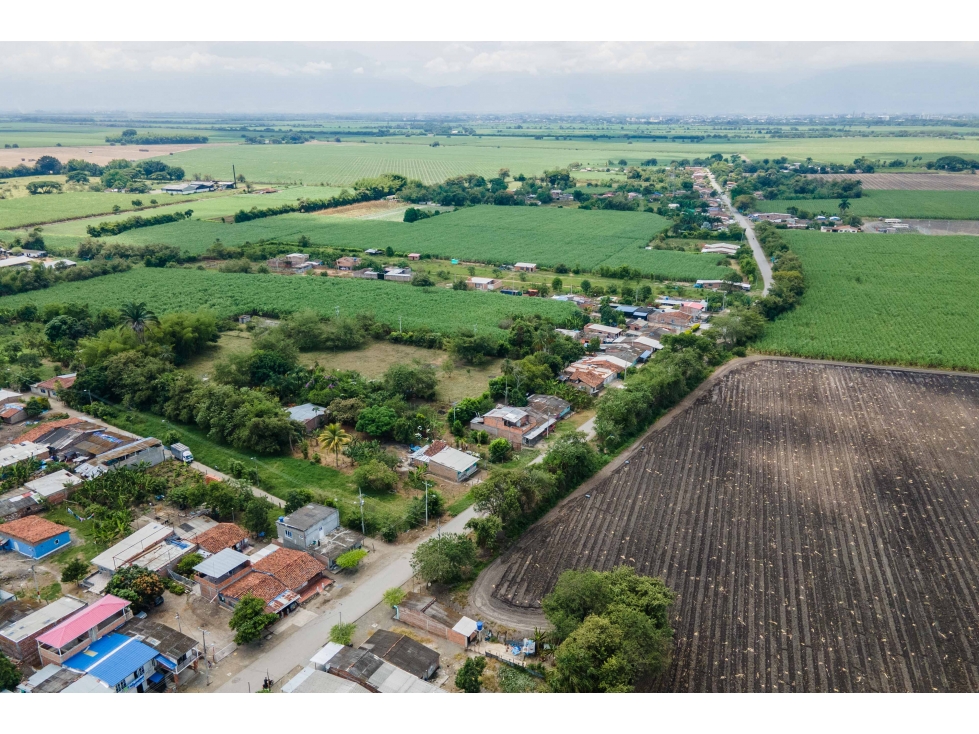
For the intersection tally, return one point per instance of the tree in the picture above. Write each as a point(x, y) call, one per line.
point(9, 674)
point(376, 420)
point(75, 570)
point(394, 596)
point(375, 476)
point(487, 531)
point(557, 284)
point(411, 382)
point(139, 585)
point(469, 675)
point(296, 498)
point(185, 567)
point(351, 559)
point(500, 450)
point(844, 206)
point(342, 634)
point(744, 203)
point(138, 317)
point(250, 619)
point(445, 559)
point(257, 517)
point(35, 406)
point(739, 327)
point(333, 438)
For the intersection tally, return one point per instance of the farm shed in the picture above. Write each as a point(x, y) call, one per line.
point(425, 613)
point(18, 638)
point(307, 526)
point(404, 652)
point(83, 628)
point(33, 537)
point(311, 416)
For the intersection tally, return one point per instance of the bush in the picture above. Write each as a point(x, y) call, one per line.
point(186, 565)
point(342, 634)
point(375, 477)
point(351, 559)
point(500, 450)
point(394, 596)
point(468, 676)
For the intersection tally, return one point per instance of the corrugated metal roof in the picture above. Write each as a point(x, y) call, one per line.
point(129, 548)
point(37, 621)
point(220, 563)
point(112, 658)
point(81, 622)
point(305, 412)
point(454, 459)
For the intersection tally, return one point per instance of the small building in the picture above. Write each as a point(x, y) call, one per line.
point(128, 550)
point(373, 251)
point(307, 527)
point(519, 427)
point(525, 267)
point(13, 413)
point(283, 579)
point(220, 537)
point(49, 388)
point(549, 405)
point(607, 361)
point(121, 663)
point(148, 451)
point(311, 680)
point(221, 570)
point(425, 613)
point(445, 461)
point(337, 543)
point(347, 262)
point(83, 628)
point(311, 416)
point(368, 670)
point(398, 275)
point(588, 379)
point(33, 537)
point(14, 453)
point(50, 679)
point(483, 284)
point(18, 639)
point(54, 487)
point(602, 332)
point(175, 651)
point(414, 256)
point(675, 319)
point(403, 652)
point(9, 396)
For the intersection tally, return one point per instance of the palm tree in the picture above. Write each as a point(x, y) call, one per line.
point(137, 316)
point(333, 438)
point(844, 205)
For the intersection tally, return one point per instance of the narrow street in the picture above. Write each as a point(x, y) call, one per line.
point(366, 594)
point(763, 265)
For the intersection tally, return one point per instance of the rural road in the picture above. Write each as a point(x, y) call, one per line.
point(298, 648)
point(763, 265)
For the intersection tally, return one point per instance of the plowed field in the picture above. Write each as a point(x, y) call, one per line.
point(820, 524)
point(911, 181)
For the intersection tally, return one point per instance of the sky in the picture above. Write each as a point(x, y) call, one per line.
point(708, 78)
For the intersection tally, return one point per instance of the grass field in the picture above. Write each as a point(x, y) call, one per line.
point(168, 290)
point(884, 299)
point(904, 204)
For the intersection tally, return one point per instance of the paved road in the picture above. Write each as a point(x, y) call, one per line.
point(298, 648)
point(763, 265)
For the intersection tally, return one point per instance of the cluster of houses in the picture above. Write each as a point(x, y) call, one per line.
point(296, 263)
point(27, 258)
point(198, 187)
point(523, 426)
point(715, 207)
point(789, 220)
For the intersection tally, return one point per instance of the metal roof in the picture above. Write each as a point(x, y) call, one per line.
point(510, 414)
point(82, 621)
point(403, 652)
point(112, 658)
point(454, 459)
point(42, 618)
point(128, 549)
point(221, 563)
point(311, 680)
point(305, 412)
point(169, 642)
point(52, 483)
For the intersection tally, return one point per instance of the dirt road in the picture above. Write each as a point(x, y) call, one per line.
point(763, 265)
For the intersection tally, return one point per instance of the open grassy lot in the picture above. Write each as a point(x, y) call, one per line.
point(903, 204)
point(884, 299)
point(167, 290)
point(817, 522)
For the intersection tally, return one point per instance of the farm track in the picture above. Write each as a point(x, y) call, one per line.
point(818, 522)
point(909, 181)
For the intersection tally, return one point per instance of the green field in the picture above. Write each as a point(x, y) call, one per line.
point(29, 210)
point(903, 204)
point(168, 290)
point(884, 299)
point(547, 236)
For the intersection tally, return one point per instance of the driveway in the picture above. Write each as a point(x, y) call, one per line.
point(300, 646)
point(763, 265)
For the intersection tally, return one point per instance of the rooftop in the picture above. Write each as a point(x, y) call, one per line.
point(221, 536)
point(131, 547)
point(42, 618)
point(38, 431)
point(454, 459)
point(32, 529)
point(59, 382)
point(311, 680)
point(221, 563)
point(52, 483)
point(292, 567)
point(112, 659)
point(305, 412)
point(82, 621)
point(308, 516)
point(403, 652)
point(165, 640)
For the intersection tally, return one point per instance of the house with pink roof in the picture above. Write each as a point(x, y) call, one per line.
point(83, 628)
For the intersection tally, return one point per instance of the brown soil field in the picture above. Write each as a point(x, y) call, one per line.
point(363, 209)
point(100, 154)
point(819, 523)
point(910, 181)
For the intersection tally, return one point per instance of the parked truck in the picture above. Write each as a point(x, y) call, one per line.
point(181, 453)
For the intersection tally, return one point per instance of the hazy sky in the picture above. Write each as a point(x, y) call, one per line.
point(653, 78)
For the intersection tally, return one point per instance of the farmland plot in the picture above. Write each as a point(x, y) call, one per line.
point(903, 204)
point(909, 181)
point(166, 290)
point(819, 523)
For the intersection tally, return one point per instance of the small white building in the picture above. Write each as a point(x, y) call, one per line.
point(525, 267)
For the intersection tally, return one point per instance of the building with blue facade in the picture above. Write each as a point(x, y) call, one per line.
point(121, 663)
point(33, 536)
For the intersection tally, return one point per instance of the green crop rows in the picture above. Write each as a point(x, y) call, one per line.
point(885, 299)
point(27, 210)
point(166, 290)
point(904, 204)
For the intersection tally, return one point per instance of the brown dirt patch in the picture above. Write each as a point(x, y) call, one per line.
point(100, 154)
point(363, 209)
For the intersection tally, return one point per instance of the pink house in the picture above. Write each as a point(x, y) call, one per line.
point(82, 629)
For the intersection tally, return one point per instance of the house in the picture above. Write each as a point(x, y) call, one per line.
point(33, 537)
point(296, 259)
point(18, 639)
point(9, 396)
point(483, 284)
point(221, 570)
point(83, 628)
point(525, 267)
point(618, 365)
point(51, 679)
point(19, 503)
point(675, 319)
point(649, 343)
point(35, 254)
point(311, 680)
point(445, 461)
point(220, 537)
point(120, 663)
point(49, 388)
point(602, 332)
point(148, 451)
point(403, 652)
point(13, 413)
point(368, 670)
point(519, 427)
point(425, 613)
point(163, 557)
point(128, 550)
point(337, 543)
point(283, 578)
point(54, 487)
point(307, 526)
point(373, 251)
point(414, 256)
point(175, 651)
point(549, 405)
point(311, 416)
point(588, 379)
point(191, 187)
point(398, 275)
point(18, 261)
point(347, 262)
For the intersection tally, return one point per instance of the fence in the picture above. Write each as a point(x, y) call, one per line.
point(516, 664)
point(218, 655)
point(182, 580)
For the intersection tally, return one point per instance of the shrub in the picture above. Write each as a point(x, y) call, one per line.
point(468, 676)
point(500, 450)
point(375, 477)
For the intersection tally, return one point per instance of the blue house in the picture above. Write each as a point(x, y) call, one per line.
point(33, 536)
point(119, 662)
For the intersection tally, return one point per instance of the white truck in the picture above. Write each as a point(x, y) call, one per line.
point(181, 453)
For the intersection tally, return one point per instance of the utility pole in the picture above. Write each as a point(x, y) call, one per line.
point(362, 530)
point(426, 503)
point(234, 177)
point(36, 588)
point(207, 670)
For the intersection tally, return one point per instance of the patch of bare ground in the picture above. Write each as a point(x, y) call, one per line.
point(910, 181)
point(819, 523)
point(100, 154)
point(363, 209)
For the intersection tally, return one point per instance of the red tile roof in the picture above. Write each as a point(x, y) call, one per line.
point(255, 584)
point(32, 529)
point(11, 411)
point(221, 536)
point(293, 568)
point(56, 383)
point(435, 447)
point(38, 431)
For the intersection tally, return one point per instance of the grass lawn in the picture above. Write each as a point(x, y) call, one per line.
point(84, 546)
